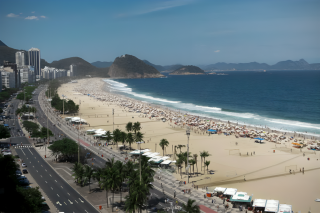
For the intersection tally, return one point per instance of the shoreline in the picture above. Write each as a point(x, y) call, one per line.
point(277, 131)
point(261, 165)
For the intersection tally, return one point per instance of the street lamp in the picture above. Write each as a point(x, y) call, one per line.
point(79, 134)
point(140, 157)
point(188, 134)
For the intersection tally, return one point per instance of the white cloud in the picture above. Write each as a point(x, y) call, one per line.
point(32, 12)
point(43, 17)
point(217, 51)
point(163, 5)
point(32, 18)
point(12, 15)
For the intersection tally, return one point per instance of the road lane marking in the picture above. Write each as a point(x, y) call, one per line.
point(58, 195)
point(61, 187)
point(33, 166)
point(70, 201)
point(68, 193)
point(81, 200)
point(86, 211)
point(23, 152)
point(46, 181)
point(41, 175)
point(45, 169)
point(59, 203)
point(37, 170)
point(41, 165)
point(65, 203)
point(50, 175)
point(51, 188)
point(56, 181)
point(30, 151)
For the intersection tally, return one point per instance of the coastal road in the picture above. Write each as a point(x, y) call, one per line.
point(62, 195)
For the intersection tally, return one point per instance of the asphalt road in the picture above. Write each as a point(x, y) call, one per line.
point(157, 199)
point(62, 195)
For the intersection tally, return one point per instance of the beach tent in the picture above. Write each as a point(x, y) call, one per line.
point(219, 190)
point(230, 192)
point(241, 198)
point(166, 162)
point(272, 206)
point(259, 203)
point(261, 139)
point(211, 130)
point(153, 154)
point(147, 153)
point(285, 208)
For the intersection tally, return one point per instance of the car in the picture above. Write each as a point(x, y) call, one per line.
point(24, 165)
point(25, 171)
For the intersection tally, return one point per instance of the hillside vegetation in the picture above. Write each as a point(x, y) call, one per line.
point(188, 70)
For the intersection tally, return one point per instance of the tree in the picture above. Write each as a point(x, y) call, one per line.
point(32, 199)
point(192, 162)
point(65, 147)
point(106, 182)
point(180, 146)
point(116, 136)
point(129, 127)
point(88, 173)
point(207, 163)
point(121, 170)
point(202, 154)
point(195, 157)
point(78, 172)
point(138, 137)
point(114, 179)
point(30, 126)
point(130, 139)
point(164, 143)
point(4, 132)
point(190, 208)
point(205, 154)
point(109, 137)
point(123, 137)
point(136, 127)
point(97, 175)
point(43, 133)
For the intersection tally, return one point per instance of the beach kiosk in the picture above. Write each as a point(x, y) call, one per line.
point(230, 192)
point(285, 208)
point(218, 191)
point(259, 204)
point(241, 199)
point(272, 206)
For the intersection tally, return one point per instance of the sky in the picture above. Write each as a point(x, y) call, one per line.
point(189, 32)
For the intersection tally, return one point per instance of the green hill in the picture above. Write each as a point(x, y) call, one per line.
point(188, 70)
point(129, 66)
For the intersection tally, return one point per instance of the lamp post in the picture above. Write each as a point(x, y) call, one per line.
point(188, 134)
point(140, 157)
point(79, 134)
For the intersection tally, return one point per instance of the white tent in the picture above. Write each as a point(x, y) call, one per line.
point(230, 191)
point(219, 189)
point(241, 196)
point(284, 208)
point(272, 206)
point(259, 203)
point(147, 153)
point(153, 154)
point(166, 162)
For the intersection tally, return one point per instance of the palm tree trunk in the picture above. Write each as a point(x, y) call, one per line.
point(193, 168)
point(107, 198)
point(89, 186)
point(201, 163)
point(120, 195)
point(163, 151)
point(204, 165)
point(112, 199)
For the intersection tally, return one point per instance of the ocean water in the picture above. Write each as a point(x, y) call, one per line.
point(282, 100)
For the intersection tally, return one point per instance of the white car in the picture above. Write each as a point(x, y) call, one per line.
point(24, 165)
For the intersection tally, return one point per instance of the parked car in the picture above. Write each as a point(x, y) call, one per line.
point(24, 165)
point(25, 171)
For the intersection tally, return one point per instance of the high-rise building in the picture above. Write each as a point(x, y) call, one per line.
point(20, 59)
point(10, 75)
point(73, 69)
point(34, 60)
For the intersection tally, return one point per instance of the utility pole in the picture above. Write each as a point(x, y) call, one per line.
point(113, 118)
point(47, 134)
point(188, 134)
point(79, 134)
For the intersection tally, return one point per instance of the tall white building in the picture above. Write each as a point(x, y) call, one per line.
point(34, 60)
point(20, 59)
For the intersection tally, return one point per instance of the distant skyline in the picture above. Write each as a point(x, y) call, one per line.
point(165, 32)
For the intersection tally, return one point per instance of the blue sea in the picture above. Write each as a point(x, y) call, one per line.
point(282, 100)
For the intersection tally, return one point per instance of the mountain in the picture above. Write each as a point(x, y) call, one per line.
point(282, 65)
point(83, 67)
point(158, 67)
point(2, 44)
point(129, 66)
point(188, 70)
point(102, 64)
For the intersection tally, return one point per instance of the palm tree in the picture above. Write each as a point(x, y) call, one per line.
point(179, 164)
point(190, 208)
point(116, 136)
point(114, 179)
point(164, 143)
point(129, 127)
point(206, 154)
point(202, 154)
point(195, 157)
point(78, 172)
point(109, 137)
point(136, 127)
point(97, 175)
point(123, 137)
point(192, 162)
point(207, 163)
point(130, 139)
point(110, 163)
point(88, 173)
point(106, 182)
point(180, 146)
point(138, 137)
point(121, 170)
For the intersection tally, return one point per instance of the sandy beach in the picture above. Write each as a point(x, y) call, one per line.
point(265, 167)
